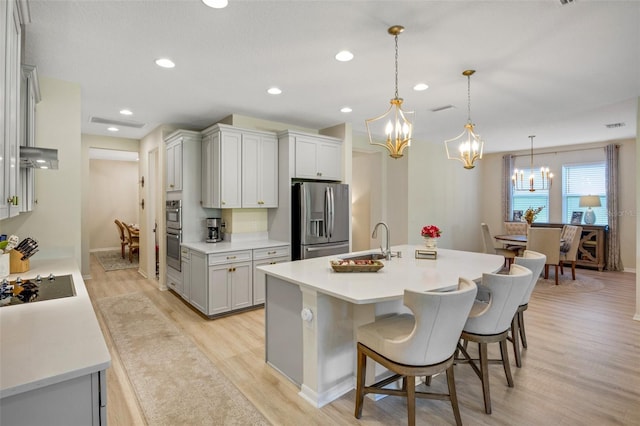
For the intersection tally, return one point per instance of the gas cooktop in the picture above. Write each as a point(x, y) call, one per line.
point(36, 289)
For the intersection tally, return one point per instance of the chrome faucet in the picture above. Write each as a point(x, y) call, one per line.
point(386, 252)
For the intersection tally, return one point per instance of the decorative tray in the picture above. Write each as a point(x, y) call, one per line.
point(356, 265)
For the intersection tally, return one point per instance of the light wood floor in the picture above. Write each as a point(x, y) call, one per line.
point(582, 365)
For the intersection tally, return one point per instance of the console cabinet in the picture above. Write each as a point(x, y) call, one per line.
point(592, 251)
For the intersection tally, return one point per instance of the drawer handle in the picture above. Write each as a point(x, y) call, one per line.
point(271, 252)
point(272, 263)
point(231, 257)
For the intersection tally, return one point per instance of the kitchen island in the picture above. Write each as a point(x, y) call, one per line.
point(312, 312)
point(53, 356)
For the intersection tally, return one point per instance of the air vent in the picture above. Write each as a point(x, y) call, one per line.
point(442, 108)
point(614, 125)
point(563, 2)
point(121, 123)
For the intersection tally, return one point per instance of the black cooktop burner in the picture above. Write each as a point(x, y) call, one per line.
point(36, 289)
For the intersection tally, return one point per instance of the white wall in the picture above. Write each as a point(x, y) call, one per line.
point(113, 195)
point(56, 220)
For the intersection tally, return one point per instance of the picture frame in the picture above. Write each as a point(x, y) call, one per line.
point(576, 218)
point(517, 215)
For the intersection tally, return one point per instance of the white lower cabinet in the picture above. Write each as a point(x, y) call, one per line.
point(219, 283)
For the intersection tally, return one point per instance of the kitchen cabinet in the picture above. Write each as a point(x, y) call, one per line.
point(266, 256)
point(230, 285)
point(174, 280)
point(174, 166)
point(259, 170)
point(12, 16)
point(184, 289)
point(316, 157)
point(198, 282)
point(239, 168)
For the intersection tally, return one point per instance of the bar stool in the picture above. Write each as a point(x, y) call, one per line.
point(422, 344)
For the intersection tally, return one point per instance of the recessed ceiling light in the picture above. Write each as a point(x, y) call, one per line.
point(165, 63)
point(216, 4)
point(125, 112)
point(345, 109)
point(274, 91)
point(420, 87)
point(112, 129)
point(344, 56)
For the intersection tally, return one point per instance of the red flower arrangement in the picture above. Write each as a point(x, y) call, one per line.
point(431, 231)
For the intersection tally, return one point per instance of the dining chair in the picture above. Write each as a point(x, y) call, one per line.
point(533, 261)
point(123, 238)
point(490, 322)
point(515, 228)
point(571, 235)
point(490, 247)
point(133, 240)
point(547, 242)
point(419, 344)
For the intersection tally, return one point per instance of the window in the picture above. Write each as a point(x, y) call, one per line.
point(584, 179)
point(523, 200)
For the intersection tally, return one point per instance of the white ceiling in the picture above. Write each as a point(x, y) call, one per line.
point(560, 72)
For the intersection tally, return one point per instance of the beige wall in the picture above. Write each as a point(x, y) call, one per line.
point(56, 220)
point(113, 195)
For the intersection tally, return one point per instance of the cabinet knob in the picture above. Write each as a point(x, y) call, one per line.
point(319, 174)
point(232, 269)
point(171, 186)
point(223, 203)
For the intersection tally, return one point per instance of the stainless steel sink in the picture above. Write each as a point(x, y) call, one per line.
point(365, 256)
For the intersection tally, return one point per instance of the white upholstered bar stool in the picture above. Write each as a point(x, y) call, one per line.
point(422, 344)
point(571, 235)
point(490, 322)
point(547, 242)
point(533, 261)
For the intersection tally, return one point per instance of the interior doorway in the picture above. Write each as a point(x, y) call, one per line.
point(152, 219)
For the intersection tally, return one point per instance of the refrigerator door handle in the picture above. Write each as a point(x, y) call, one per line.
point(332, 212)
point(312, 249)
point(327, 206)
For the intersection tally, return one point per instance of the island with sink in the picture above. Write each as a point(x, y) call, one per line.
point(53, 355)
point(312, 311)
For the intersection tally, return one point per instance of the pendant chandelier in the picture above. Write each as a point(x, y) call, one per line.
point(518, 182)
point(393, 124)
point(466, 147)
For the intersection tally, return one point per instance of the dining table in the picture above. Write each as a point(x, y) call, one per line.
point(515, 240)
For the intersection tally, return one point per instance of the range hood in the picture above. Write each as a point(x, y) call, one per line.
point(38, 158)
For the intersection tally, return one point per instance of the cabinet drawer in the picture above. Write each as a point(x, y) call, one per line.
point(184, 253)
point(230, 257)
point(265, 253)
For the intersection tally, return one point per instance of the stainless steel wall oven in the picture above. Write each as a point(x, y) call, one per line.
point(173, 234)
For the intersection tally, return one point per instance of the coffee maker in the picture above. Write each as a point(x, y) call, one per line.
point(214, 229)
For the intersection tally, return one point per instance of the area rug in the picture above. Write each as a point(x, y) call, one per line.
point(567, 285)
point(111, 260)
point(176, 384)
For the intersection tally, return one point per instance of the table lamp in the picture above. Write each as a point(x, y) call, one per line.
point(590, 201)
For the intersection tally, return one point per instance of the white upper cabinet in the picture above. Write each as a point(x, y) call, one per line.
point(316, 156)
point(239, 168)
point(174, 165)
point(259, 170)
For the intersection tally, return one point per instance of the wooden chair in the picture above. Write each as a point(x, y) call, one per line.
point(123, 238)
point(133, 240)
point(489, 246)
point(533, 261)
point(492, 322)
point(547, 242)
point(422, 344)
point(569, 249)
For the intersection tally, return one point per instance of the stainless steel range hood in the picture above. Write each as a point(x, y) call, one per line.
point(38, 158)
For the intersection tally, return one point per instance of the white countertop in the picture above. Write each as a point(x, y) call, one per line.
point(226, 246)
point(50, 341)
point(389, 282)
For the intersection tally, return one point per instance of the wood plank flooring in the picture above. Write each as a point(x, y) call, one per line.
point(582, 365)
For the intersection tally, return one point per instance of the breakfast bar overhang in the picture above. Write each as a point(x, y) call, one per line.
point(312, 312)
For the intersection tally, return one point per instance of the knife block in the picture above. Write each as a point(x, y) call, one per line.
point(15, 264)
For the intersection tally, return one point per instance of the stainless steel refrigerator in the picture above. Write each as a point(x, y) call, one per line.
point(320, 219)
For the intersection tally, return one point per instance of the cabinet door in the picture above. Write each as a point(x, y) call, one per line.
point(208, 177)
point(259, 279)
point(230, 169)
point(306, 154)
point(241, 288)
point(4, 205)
point(198, 286)
point(329, 161)
point(174, 166)
point(268, 176)
point(251, 165)
point(219, 294)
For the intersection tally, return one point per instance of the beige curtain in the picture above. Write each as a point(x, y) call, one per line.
point(507, 194)
point(614, 262)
